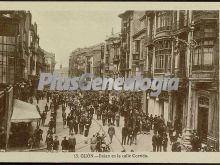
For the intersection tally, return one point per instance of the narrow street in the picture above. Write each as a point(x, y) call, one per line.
point(144, 141)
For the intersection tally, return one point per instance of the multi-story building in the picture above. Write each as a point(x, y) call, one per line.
point(96, 54)
point(34, 40)
point(13, 45)
point(77, 62)
point(45, 61)
point(181, 44)
point(112, 55)
point(87, 60)
point(126, 31)
point(20, 57)
point(185, 44)
point(49, 62)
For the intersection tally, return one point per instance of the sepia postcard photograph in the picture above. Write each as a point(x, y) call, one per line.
point(109, 82)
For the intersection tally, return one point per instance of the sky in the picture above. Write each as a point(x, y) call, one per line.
point(63, 31)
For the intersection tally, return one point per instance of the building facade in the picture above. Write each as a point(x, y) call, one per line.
point(181, 44)
point(87, 60)
point(19, 61)
point(77, 62)
point(112, 55)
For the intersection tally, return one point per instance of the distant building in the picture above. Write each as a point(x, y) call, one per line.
point(87, 60)
point(112, 55)
point(62, 71)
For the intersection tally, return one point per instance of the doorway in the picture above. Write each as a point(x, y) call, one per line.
point(203, 112)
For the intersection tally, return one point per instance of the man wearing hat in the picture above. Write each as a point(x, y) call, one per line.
point(65, 144)
point(72, 142)
point(56, 143)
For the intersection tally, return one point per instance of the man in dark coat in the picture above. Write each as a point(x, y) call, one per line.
point(56, 144)
point(154, 141)
point(72, 143)
point(124, 135)
point(195, 142)
point(65, 144)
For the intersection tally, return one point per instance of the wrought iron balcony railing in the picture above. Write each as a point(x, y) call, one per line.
point(202, 67)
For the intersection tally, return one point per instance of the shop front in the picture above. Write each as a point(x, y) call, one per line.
point(24, 120)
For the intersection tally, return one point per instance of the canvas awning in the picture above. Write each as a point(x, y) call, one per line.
point(24, 112)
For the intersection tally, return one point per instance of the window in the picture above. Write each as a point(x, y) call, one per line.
point(208, 53)
point(197, 56)
point(203, 55)
point(209, 32)
point(164, 21)
point(137, 46)
point(163, 56)
point(7, 63)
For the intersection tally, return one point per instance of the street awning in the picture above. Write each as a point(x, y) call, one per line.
point(24, 112)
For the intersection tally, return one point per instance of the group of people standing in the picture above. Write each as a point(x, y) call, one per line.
point(109, 109)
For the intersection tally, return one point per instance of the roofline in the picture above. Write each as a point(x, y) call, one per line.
point(125, 13)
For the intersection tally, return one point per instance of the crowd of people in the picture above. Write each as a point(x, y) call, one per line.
point(109, 108)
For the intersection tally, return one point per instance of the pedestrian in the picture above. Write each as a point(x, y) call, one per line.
point(195, 142)
point(130, 132)
point(37, 98)
point(176, 147)
point(46, 108)
point(64, 119)
point(159, 143)
point(63, 108)
point(103, 118)
point(117, 118)
point(31, 142)
point(71, 126)
point(72, 142)
point(154, 141)
point(81, 126)
point(2, 138)
point(164, 142)
point(65, 144)
point(38, 136)
point(124, 135)
point(111, 132)
point(93, 143)
point(113, 117)
point(56, 144)
point(76, 125)
point(134, 135)
point(43, 117)
point(31, 100)
point(86, 129)
point(109, 117)
point(151, 121)
point(99, 142)
point(51, 125)
point(49, 142)
point(48, 97)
